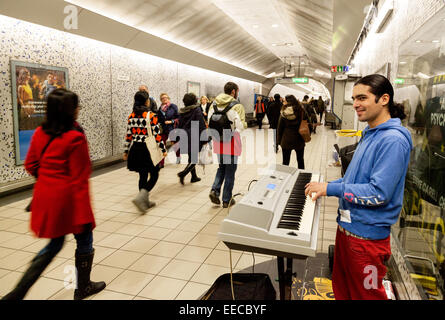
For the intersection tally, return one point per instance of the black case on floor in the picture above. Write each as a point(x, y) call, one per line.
point(246, 286)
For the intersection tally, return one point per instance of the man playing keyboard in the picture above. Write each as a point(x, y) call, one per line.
point(370, 194)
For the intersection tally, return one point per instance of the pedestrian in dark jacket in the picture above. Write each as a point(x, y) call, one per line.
point(190, 116)
point(273, 114)
point(61, 202)
point(168, 116)
point(288, 136)
point(205, 106)
point(312, 120)
point(273, 111)
point(321, 108)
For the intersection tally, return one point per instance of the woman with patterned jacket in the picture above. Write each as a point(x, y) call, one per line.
point(136, 152)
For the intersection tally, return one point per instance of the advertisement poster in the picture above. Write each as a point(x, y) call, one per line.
point(31, 85)
point(194, 87)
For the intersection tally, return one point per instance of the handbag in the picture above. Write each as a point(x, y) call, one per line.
point(346, 154)
point(206, 155)
point(303, 130)
point(156, 153)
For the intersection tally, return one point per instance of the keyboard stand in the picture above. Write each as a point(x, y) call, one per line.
point(284, 276)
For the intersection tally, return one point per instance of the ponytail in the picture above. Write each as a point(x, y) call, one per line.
point(397, 110)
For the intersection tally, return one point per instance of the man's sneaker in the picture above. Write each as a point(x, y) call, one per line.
point(226, 204)
point(214, 198)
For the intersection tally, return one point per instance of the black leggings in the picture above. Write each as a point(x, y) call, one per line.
point(300, 157)
point(143, 177)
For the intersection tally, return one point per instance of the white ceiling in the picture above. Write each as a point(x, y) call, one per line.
point(254, 35)
point(233, 37)
point(266, 21)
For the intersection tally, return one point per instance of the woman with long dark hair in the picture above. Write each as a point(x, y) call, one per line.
point(136, 151)
point(61, 204)
point(288, 136)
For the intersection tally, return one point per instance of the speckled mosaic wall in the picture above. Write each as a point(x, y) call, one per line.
point(104, 76)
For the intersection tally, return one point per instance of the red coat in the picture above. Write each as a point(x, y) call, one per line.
point(61, 202)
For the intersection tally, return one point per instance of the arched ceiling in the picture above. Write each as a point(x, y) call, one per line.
point(251, 39)
point(254, 35)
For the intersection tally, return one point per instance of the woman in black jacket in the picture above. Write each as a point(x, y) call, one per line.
point(205, 106)
point(190, 116)
point(288, 136)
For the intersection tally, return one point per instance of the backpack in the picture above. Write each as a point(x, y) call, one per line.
point(221, 123)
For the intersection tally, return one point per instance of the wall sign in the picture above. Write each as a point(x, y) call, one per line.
point(194, 87)
point(339, 69)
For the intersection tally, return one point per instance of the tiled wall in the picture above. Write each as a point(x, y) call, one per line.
point(378, 49)
point(104, 76)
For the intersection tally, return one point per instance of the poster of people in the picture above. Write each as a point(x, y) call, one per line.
point(31, 85)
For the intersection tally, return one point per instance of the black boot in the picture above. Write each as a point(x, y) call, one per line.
point(31, 275)
point(183, 173)
point(195, 177)
point(190, 168)
point(85, 287)
point(28, 207)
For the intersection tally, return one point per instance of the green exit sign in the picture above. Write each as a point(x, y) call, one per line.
point(300, 80)
point(400, 81)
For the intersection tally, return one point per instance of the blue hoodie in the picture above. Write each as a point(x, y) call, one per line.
point(371, 192)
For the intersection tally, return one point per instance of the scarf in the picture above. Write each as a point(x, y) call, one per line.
point(188, 109)
point(165, 107)
point(288, 114)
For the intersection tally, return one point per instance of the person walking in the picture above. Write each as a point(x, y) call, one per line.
point(168, 116)
point(136, 152)
point(288, 136)
point(273, 114)
point(321, 108)
point(260, 111)
point(312, 115)
point(58, 157)
point(226, 106)
point(370, 193)
point(190, 116)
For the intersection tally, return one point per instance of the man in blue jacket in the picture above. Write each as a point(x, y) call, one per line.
point(370, 194)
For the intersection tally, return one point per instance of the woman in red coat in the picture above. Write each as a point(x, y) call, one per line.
point(61, 205)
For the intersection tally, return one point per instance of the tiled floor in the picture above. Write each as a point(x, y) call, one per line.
point(172, 252)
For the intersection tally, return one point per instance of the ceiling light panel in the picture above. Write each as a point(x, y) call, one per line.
point(263, 13)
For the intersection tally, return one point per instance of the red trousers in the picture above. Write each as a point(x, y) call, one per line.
point(359, 268)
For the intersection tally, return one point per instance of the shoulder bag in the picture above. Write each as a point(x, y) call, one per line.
point(304, 129)
point(152, 146)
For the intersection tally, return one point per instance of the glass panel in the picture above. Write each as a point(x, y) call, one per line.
point(420, 86)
